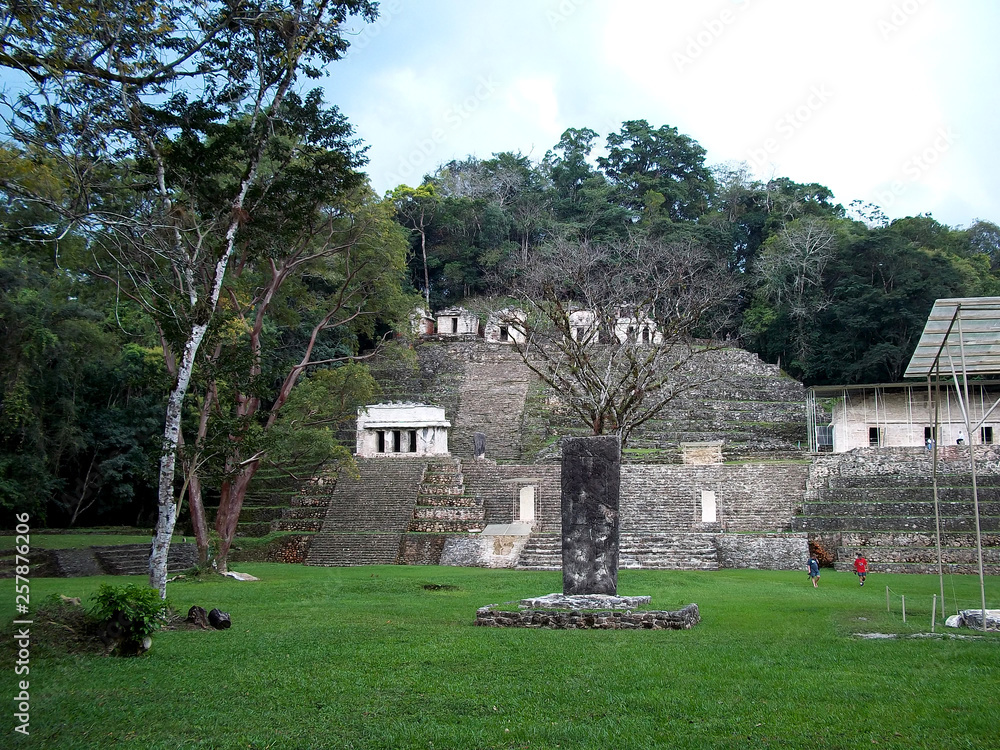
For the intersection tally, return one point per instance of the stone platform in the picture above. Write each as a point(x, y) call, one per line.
point(494, 616)
point(584, 601)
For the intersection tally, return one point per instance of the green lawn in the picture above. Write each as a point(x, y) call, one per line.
point(369, 658)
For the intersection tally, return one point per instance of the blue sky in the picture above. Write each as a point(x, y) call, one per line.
point(895, 103)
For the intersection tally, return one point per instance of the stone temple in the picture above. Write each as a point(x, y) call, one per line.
point(724, 478)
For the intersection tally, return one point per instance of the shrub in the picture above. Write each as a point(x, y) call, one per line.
point(131, 614)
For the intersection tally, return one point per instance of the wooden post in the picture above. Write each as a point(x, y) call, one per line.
point(902, 598)
point(933, 612)
point(887, 599)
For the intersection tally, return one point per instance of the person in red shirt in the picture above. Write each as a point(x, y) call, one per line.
point(861, 568)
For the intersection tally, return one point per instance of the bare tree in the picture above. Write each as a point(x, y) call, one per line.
point(611, 328)
point(791, 271)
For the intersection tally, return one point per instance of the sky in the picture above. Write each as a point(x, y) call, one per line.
point(893, 103)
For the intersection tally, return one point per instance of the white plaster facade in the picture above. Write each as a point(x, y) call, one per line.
point(583, 326)
point(637, 330)
point(504, 327)
point(900, 416)
point(457, 321)
point(402, 430)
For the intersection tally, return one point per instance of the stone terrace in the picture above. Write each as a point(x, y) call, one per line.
point(881, 501)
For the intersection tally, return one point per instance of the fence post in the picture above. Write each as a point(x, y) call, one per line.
point(902, 598)
point(887, 599)
point(933, 612)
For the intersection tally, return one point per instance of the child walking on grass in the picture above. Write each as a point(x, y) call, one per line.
point(861, 568)
point(814, 571)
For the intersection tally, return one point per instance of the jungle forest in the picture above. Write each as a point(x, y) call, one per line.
point(194, 266)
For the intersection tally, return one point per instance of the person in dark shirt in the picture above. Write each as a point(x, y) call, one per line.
point(814, 571)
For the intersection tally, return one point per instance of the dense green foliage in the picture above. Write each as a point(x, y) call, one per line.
point(835, 295)
point(387, 657)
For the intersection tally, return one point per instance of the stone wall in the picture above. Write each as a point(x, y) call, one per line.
point(763, 552)
point(683, 619)
point(749, 497)
point(289, 548)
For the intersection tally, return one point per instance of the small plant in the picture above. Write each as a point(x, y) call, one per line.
point(131, 614)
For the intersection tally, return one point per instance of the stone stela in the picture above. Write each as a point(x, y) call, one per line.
point(591, 478)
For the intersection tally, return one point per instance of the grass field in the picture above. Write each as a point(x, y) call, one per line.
point(370, 658)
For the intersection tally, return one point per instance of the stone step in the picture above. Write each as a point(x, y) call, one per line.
point(448, 501)
point(304, 512)
point(449, 513)
point(441, 526)
point(297, 524)
point(344, 550)
point(900, 508)
point(923, 555)
point(892, 523)
point(126, 559)
point(865, 539)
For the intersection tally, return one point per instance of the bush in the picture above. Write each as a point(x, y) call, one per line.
point(131, 614)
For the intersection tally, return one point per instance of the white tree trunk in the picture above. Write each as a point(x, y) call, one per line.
point(167, 506)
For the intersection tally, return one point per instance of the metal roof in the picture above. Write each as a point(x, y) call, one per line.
point(961, 335)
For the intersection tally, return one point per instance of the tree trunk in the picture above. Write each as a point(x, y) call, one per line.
point(198, 519)
point(230, 505)
point(167, 516)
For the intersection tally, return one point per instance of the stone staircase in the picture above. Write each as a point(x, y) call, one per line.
point(367, 516)
point(542, 552)
point(890, 516)
point(121, 560)
point(443, 509)
point(669, 552)
point(491, 401)
point(442, 504)
point(664, 552)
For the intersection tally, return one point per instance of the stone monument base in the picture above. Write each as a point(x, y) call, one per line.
point(584, 601)
point(495, 616)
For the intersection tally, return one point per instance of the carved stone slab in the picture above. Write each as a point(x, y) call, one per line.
point(591, 479)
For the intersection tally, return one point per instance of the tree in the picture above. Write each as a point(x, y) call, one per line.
point(658, 166)
point(304, 288)
point(416, 207)
point(108, 88)
point(611, 327)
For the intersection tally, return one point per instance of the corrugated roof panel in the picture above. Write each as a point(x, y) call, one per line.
point(959, 329)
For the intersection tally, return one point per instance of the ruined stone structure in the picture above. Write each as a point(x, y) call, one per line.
point(402, 429)
point(722, 479)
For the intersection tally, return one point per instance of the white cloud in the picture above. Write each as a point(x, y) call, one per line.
point(730, 74)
